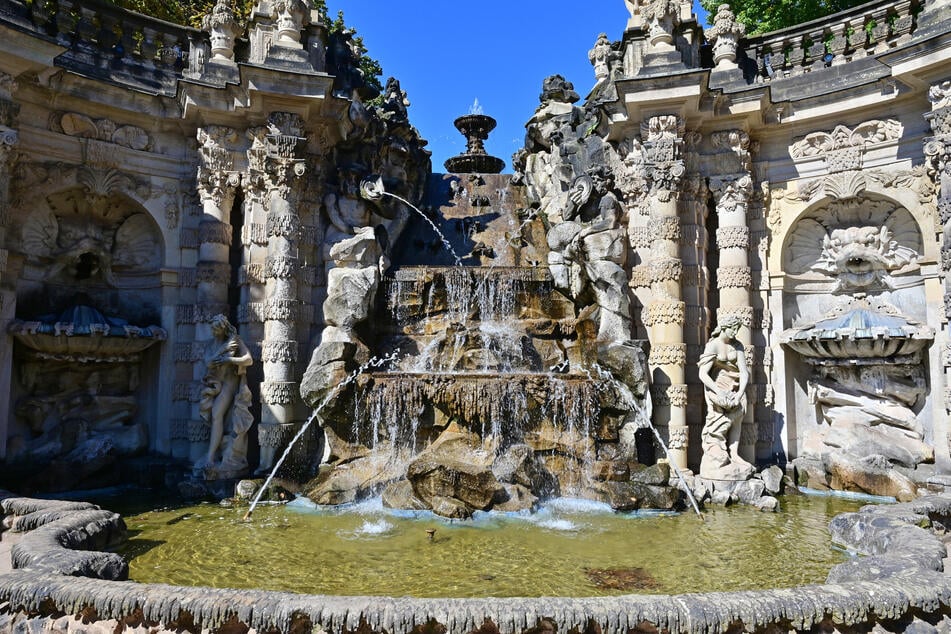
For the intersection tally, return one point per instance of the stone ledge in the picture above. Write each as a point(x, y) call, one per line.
point(898, 583)
point(65, 538)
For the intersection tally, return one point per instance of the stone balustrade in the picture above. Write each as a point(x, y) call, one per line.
point(107, 42)
point(867, 30)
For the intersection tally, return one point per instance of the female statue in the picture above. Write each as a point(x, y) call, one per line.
point(225, 398)
point(725, 375)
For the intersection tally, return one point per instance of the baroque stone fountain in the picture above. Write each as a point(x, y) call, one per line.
point(500, 396)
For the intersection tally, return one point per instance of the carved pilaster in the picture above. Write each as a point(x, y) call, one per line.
point(664, 168)
point(277, 164)
point(663, 149)
point(217, 179)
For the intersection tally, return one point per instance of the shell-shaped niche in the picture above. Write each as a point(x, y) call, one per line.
point(856, 243)
point(80, 237)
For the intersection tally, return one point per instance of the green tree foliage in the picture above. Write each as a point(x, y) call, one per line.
point(762, 16)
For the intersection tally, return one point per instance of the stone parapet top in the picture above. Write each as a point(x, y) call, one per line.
point(866, 30)
point(142, 52)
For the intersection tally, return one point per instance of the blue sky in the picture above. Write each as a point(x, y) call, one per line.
point(447, 55)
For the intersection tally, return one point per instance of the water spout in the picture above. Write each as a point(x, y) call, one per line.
point(645, 421)
point(371, 188)
point(375, 362)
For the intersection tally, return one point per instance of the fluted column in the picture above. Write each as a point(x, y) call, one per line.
point(278, 164)
point(8, 141)
point(731, 193)
point(663, 148)
point(217, 181)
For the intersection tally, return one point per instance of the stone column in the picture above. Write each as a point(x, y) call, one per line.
point(937, 151)
point(8, 142)
point(217, 182)
point(731, 193)
point(663, 148)
point(279, 164)
point(694, 249)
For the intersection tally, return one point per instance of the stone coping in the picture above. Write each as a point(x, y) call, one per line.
point(899, 583)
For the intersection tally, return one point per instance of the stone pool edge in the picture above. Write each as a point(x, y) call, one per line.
point(62, 581)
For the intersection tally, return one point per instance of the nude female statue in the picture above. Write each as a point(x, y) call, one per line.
point(725, 375)
point(225, 397)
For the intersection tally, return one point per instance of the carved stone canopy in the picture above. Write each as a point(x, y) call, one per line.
point(860, 333)
point(83, 334)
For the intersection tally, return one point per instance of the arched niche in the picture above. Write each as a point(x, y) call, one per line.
point(86, 335)
point(855, 341)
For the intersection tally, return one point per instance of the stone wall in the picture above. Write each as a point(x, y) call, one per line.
point(898, 583)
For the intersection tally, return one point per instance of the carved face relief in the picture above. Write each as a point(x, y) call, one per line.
point(860, 256)
point(79, 246)
point(856, 243)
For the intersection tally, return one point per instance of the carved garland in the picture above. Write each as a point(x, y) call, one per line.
point(734, 277)
point(668, 354)
point(666, 228)
point(677, 438)
point(280, 351)
point(664, 312)
point(279, 393)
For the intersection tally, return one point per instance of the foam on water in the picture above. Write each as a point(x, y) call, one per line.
point(559, 525)
point(577, 506)
point(850, 495)
point(378, 527)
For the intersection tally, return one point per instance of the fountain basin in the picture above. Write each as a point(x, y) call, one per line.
point(860, 336)
point(897, 584)
point(567, 548)
point(84, 334)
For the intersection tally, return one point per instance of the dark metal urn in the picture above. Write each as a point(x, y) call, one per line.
point(476, 128)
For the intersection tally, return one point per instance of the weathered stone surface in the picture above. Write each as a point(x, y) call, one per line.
point(520, 498)
point(772, 477)
point(656, 475)
point(519, 465)
point(868, 475)
point(897, 447)
point(400, 495)
point(630, 496)
point(444, 476)
point(350, 295)
point(339, 451)
point(352, 481)
point(450, 507)
point(767, 503)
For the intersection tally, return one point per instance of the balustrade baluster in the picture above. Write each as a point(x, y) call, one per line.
point(149, 45)
point(86, 28)
point(65, 22)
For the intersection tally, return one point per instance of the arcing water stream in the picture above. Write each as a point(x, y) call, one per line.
point(375, 362)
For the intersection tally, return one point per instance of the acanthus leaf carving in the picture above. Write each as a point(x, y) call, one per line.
point(843, 147)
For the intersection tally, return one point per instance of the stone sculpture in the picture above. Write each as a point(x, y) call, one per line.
point(725, 375)
point(588, 253)
point(225, 401)
point(80, 247)
point(600, 57)
point(868, 386)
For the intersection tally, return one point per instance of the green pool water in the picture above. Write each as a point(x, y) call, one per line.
point(569, 548)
